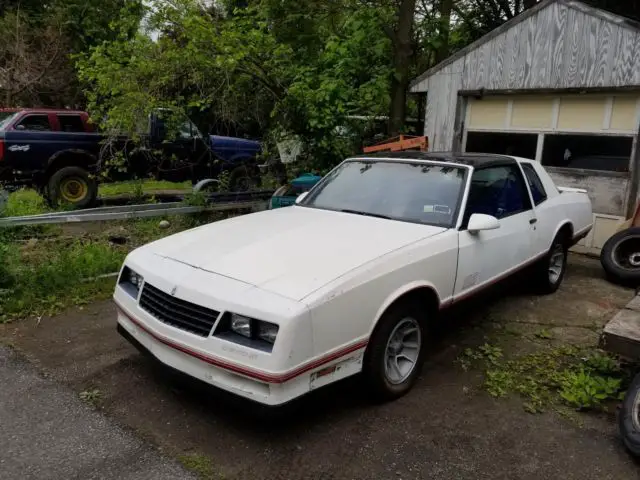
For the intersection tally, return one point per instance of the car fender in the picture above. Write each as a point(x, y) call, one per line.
point(399, 292)
point(561, 224)
point(75, 152)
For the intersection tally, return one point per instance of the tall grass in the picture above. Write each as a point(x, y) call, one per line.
point(40, 279)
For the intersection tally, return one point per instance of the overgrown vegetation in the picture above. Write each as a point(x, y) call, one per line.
point(43, 271)
point(579, 378)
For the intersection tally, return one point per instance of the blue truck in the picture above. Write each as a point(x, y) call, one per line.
point(60, 153)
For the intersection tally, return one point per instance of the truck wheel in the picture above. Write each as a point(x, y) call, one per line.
point(72, 186)
point(629, 418)
point(620, 256)
point(395, 355)
point(244, 178)
point(550, 270)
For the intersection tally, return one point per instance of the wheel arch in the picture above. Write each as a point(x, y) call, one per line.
point(422, 293)
point(69, 158)
point(565, 228)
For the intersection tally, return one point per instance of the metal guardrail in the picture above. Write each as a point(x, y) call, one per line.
point(126, 212)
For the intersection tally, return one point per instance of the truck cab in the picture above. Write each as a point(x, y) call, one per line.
point(54, 151)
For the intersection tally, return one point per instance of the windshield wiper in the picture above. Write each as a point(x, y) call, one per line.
point(366, 214)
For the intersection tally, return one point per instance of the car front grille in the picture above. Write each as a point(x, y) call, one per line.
point(177, 313)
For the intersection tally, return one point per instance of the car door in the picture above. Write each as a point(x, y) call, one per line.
point(545, 212)
point(487, 256)
point(30, 141)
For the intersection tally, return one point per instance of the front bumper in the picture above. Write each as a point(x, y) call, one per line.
point(270, 390)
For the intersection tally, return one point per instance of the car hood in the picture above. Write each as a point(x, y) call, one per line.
point(218, 141)
point(290, 251)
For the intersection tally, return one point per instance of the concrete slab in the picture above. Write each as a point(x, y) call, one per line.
point(622, 334)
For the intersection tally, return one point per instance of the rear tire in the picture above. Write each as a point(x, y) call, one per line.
point(394, 358)
point(550, 271)
point(244, 178)
point(72, 186)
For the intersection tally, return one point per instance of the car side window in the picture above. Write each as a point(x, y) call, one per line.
point(71, 123)
point(498, 191)
point(535, 184)
point(38, 123)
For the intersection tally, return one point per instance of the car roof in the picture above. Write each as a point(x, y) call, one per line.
point(476, 160)
point(41, 110)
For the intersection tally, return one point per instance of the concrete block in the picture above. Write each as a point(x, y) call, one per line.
point(634, 304)
point(622, 334)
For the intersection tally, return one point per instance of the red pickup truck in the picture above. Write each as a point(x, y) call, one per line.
point(54, 151)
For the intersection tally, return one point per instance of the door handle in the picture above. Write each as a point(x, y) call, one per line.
point(533, 220)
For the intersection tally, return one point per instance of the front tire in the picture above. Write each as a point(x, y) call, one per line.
point(394, 359)
point(72, 186)
point(551, 269)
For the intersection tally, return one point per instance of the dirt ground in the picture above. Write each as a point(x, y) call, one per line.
point(446, 428)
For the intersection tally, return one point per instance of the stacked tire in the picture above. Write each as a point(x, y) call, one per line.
point(620, 257)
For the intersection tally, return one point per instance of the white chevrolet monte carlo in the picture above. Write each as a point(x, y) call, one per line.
point(274, 304)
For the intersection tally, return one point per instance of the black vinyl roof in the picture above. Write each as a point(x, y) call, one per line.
point(475, 160)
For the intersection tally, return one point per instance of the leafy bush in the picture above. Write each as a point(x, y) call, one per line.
point(584, 389)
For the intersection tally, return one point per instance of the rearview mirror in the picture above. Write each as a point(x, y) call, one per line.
point(480, 221)
point(301, 197)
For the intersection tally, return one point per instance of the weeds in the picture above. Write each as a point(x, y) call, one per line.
point(41, 276)
point(578, 378)
point(24, 202)
point(92, 396)
point(140, 187)
point(201, 465)
point(544, 334)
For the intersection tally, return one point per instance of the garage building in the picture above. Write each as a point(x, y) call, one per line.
point(559, 83)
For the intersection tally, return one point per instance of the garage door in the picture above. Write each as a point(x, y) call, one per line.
point(585, 141)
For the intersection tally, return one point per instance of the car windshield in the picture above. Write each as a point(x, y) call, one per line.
point(415, 192)
point(5, 118)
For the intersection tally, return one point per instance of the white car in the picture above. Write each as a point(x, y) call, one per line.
point(274, 304)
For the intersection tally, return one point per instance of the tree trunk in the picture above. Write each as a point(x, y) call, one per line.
point(445, 26)
point(402, 51)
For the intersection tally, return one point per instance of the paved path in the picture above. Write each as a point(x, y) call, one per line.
point(47, 432)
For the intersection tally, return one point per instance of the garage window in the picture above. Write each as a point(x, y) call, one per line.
point(518, 144)
point(590, 152)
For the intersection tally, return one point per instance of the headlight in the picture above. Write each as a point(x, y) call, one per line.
point(130, 281)
point(135, 279)
point(241, 325)
point(267, 331)
point(247, 331)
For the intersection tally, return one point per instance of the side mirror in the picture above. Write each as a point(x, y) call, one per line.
point(301, 197)
point(20, 127)
point(479, 222)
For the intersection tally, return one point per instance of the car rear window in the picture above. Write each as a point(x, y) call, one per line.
point(71, 123)
point(535, 184)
